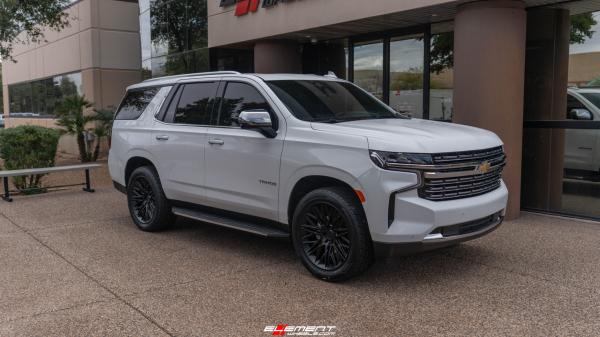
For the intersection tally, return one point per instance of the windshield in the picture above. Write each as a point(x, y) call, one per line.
point(329, 101)
point(592, 97)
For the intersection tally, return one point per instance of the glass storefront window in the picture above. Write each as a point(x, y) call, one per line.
point(39, 98)
point(561, 146)
point(368, 67)
point(413, 72)
point(322, 57)
point(441, 77)
point(174, 35)
point(159, 27)
point(406, 75)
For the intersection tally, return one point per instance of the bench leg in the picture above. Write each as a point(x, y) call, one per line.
point(88, 186)
point(6, 196)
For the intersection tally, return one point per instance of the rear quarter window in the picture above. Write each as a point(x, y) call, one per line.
point(134, 103)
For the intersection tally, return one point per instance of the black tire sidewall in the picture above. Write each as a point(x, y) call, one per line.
point(161, 219)
point(352, 213)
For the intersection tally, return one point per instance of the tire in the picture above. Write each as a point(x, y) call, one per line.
point(331, 235)
point(148, 206)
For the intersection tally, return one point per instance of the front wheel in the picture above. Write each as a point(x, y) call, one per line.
point(331, 235)
point(148, 206)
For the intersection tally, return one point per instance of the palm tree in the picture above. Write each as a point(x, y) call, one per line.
point(71, 116)
point(104, 120)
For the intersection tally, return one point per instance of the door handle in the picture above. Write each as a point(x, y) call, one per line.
point(216, 141)
point(162, 137)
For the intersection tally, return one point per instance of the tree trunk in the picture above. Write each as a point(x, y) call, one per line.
point(82, 149)
point(96, 149)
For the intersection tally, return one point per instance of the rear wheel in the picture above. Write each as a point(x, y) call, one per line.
point(148, 206)
point(330, 234)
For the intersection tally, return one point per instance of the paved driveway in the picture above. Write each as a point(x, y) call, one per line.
point(72, 263)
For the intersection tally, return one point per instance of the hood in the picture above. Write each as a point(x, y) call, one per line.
point(415, 135)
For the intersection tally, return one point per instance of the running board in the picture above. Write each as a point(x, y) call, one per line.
point(265, 230)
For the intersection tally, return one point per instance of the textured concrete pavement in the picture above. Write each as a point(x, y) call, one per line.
point(73, 263)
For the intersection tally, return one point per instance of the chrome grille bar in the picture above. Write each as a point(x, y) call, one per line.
point(459, 175)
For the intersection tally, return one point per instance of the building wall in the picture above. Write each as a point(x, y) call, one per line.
point(102, 42)
point(583, 68)
point(294, 16)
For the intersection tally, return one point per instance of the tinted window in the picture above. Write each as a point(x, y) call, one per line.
point(573, 103)
point(329, 101)
point(237, 98)
point(135, 103)
point(195, 103)
point(592, 97)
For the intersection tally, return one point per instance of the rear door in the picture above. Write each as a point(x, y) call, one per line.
point(179, 141)
point(242, 166)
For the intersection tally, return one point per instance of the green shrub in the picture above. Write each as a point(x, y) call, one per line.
point(25, 147)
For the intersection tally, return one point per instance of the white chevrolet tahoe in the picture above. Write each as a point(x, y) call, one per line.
point(314, 158)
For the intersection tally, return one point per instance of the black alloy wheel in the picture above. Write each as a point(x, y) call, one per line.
point(331, 235)
point(148, 206)
point(325, 236)
point(144, 200)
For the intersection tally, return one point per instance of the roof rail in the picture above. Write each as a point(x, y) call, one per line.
point(208, 73)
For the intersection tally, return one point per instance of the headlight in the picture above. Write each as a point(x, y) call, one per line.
point(398, 160)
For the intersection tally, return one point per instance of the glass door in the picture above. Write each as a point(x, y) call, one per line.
point(406, 75)
point(368, 66)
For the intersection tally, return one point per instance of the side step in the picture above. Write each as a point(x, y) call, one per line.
point(265, 230)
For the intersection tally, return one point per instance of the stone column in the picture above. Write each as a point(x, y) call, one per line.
point(489, 66)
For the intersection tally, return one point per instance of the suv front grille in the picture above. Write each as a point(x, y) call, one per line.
point(463, 174)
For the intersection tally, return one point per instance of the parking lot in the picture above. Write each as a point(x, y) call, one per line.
point(72, 263)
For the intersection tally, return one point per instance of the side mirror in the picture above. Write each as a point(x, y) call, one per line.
point(258, 120)
point(581, 114)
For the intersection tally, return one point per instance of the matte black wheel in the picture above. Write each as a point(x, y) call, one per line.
point(325, 237)
point(330, 234)
point(149, 208)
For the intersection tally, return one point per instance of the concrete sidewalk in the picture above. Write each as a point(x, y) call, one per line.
point(73, 263)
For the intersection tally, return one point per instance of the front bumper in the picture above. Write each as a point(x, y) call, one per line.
point(443, 236)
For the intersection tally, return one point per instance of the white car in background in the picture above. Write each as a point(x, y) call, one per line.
point(582, 146)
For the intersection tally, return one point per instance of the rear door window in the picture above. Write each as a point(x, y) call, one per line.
point(195, 104)
point(134, 103)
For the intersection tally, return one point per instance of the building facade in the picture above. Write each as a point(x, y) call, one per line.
point(503, 65)
point(97, 55)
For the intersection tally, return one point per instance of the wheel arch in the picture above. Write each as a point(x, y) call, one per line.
point(135, 162)
point(309, 183)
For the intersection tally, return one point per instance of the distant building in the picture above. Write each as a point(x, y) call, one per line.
point(98, 55)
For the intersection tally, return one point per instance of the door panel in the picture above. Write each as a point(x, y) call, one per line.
point(242, 171)
point(179, 142)
point(180, 152)
point(242, 166)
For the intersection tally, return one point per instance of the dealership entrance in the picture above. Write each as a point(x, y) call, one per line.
point(501, 65)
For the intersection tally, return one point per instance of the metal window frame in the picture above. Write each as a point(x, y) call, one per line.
point(386, 37)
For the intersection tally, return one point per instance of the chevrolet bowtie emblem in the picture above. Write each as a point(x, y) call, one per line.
point(483, 167)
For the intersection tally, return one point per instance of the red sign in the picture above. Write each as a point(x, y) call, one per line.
point(246, 6)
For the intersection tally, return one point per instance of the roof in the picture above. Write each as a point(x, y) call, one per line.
point(168, 80)
point(297, 77)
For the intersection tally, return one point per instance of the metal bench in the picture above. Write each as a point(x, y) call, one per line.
point(26, 172)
